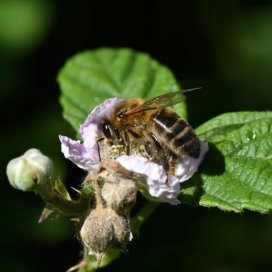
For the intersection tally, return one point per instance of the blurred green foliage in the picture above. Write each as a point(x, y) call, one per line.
point(223, 46)
point(23, 24)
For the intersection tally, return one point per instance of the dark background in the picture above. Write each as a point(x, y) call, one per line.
point(223, 46)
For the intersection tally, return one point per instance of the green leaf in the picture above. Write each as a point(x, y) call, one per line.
point(90, 77)
point(61, 189)
point(237, 171)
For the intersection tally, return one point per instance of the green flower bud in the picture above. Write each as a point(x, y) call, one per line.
point(30, 170)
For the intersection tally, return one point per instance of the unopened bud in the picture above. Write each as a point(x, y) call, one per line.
point(118, 192)
point(103, 228)
point(29, 170)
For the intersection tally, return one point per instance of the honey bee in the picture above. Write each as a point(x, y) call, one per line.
point(156, 126)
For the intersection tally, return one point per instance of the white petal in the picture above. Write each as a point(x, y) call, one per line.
point(85, 155)
point(154, 176)
point(79, 154)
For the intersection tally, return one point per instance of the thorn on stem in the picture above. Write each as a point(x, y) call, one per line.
point(76, 190)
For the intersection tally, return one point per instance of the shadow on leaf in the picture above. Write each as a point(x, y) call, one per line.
point(213, 165)
point(214, 162)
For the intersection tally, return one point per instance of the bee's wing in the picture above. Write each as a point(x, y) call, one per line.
point(164, 100)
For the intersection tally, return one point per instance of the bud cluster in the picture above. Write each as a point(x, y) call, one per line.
point(108, 223)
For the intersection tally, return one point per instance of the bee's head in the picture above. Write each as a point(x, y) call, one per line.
point(124, 109)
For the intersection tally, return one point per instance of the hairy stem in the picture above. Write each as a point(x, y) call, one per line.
point(58, 203)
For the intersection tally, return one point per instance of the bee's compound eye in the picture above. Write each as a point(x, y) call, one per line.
point(106, 130)
point(121, 114)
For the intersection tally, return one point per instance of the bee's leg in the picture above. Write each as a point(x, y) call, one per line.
point(116, 134)
point(99, 148)
point(127, 142)
point(172, 164)
point(161, 153)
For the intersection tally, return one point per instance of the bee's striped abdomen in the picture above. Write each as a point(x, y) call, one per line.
point(176, 133)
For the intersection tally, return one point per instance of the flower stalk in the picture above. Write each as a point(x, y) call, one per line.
point(56, 202)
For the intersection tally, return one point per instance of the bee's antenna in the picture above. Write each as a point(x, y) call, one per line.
point(192, 89)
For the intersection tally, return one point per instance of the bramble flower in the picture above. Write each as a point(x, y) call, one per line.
point(85, 155)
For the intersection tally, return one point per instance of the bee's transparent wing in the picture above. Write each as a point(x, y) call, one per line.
point(164, 100)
